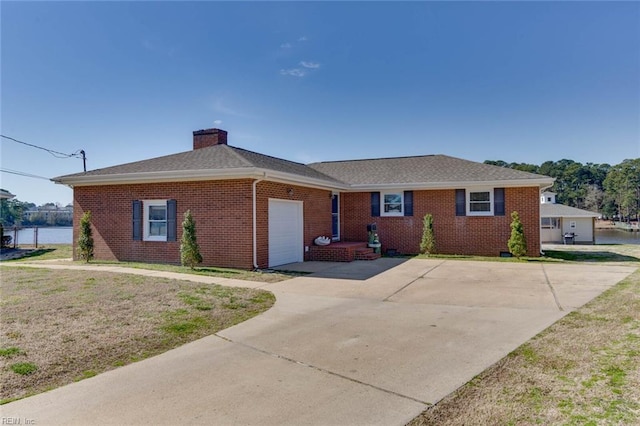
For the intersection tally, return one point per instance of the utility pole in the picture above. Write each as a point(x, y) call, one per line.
point(84, 160)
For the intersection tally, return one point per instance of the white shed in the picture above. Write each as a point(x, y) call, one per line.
point(558, 220)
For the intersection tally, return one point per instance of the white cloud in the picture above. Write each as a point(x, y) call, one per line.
point(308, 64)
point(217, 122)
point(285, 46)
point(295, 72)
point(303, 38)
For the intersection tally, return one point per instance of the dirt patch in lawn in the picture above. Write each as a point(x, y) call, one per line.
point(584, 369)
point(60, 326)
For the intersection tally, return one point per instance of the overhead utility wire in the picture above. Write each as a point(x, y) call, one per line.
point(78, 154)
point(50, 151)
point(16, 172)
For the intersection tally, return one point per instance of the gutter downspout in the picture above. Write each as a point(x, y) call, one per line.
point(255, 220)
point(542, 189)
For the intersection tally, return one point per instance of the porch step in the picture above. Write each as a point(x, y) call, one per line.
point(366, 254)
point(335, 252)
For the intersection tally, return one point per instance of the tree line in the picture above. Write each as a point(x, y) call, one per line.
point(613, 191)
point(12, 214)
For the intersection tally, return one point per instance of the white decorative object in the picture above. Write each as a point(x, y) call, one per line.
point(322, 241)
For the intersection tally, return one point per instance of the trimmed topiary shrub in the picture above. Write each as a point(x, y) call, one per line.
point(517, 242)
point(189, 249)
point(85, 240)
point(428, 242)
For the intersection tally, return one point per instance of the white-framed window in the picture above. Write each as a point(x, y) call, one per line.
point(155, 220)
point(480, 202)
point(550, 222)
point(392, 204)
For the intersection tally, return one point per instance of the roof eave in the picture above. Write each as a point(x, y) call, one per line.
point(514, 183)
point(161, 176)
point(304, 181)
point(197, 175)
point(283, 177)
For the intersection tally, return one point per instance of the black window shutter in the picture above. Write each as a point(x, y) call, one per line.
point(172, 222)
point(137, 220)
point(408, 203)
point(461, 203)
point(375, 204)
point(498, 202)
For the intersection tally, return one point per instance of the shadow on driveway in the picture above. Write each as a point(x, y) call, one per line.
point(358, 270)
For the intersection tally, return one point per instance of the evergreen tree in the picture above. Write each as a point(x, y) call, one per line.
point(189, 250)
point(517, 242)
point(85, 240)
point(428, 243)
point(622, 186)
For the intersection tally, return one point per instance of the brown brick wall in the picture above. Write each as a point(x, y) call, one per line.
point(216, 206)
point(223, 214)
point(479, 235)
point(222, 211)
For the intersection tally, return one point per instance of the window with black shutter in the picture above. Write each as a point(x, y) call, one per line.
point(498, 202)
point(461, 203)
point(137, 220)
point(155, 220)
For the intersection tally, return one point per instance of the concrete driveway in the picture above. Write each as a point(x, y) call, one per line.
point(360, 343)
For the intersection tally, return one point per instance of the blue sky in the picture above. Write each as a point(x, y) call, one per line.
point(125, 81)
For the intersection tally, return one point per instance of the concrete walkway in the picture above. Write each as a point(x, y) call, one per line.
point(340, 346)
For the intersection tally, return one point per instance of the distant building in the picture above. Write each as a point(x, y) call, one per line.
point(5, 195)
point(49, 216)
point(558, 221)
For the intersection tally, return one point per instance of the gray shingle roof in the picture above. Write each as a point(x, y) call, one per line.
point(419, 169)
point(217, 157)
point(560, 210)
point(221, 159)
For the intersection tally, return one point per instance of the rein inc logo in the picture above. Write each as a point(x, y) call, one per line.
point(16, 421)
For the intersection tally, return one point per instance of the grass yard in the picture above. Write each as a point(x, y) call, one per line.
point(583, 370)
point(60, 326)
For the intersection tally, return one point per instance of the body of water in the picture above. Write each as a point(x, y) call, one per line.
point(46, 235)
point(616, 236)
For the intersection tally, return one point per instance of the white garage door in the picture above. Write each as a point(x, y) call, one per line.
point(285, 232)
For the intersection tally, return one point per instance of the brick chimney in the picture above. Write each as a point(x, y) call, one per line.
point(209, 137)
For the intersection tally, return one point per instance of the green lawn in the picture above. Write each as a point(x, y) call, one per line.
point(60, 326)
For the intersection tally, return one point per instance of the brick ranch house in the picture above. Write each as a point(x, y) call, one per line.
point(256, 211)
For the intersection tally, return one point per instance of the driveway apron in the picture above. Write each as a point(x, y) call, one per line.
point(340, 346)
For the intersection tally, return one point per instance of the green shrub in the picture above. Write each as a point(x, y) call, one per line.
point(85, 240)
point(517, 242)
point(189, 249)
point(428, 243)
